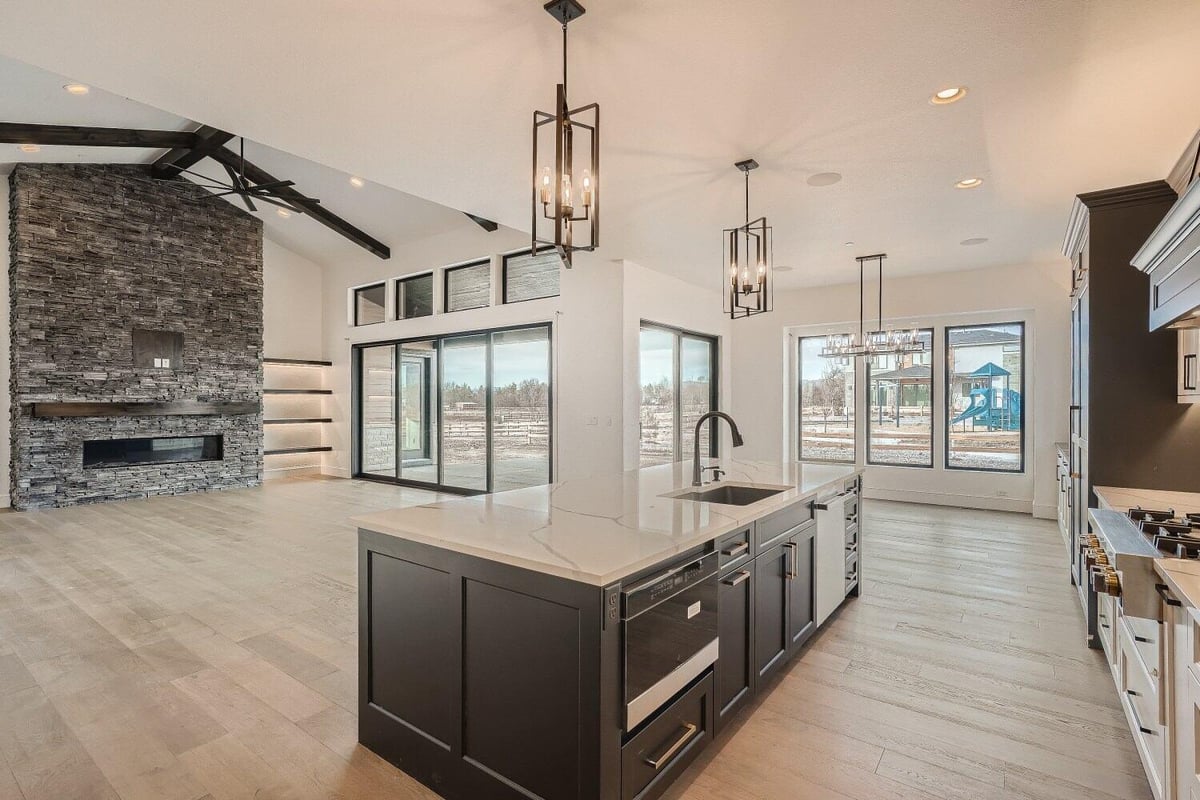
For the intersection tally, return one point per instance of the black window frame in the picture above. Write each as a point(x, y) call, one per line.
point(504, 278)
point(946, 376)
point(357, 400)
point(800, 406)
point(447, 271)
point(357, 289)
point(399, 303)
point(714, 447)
point(933, 418)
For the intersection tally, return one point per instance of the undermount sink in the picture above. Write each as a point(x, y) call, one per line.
point(730, 495)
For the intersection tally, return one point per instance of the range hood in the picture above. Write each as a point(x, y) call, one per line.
point(1171, 257)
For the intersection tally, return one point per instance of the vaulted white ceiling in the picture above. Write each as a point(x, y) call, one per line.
point(435, 99)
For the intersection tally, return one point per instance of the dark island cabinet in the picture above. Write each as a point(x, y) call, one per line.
point(735, 618)
point(802, 621)
point(771, 609)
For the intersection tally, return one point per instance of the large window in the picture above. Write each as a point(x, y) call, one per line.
point(985, 397)
point(678, 379)
point(900, 410)
point(530, 277)
point(468, 286)
point(826, 404)
point(369, 304)
point(470, 412)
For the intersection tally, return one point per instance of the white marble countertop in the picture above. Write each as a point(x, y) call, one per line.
point(1122, 499)
point(601, 529)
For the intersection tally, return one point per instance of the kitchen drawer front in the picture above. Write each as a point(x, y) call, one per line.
point(1145, 636)
point(1139, 698)
point(733, 548)
point(1106, 624)
point(656, 755)
point(773, 529)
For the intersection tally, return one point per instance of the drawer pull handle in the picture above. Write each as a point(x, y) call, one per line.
point(1132, 693)
point(736, 550)
point(1143, 640)
point(1104, 625)
point(1163, 592)
point(1137, 723)
point(689, 732)
point(741, 577)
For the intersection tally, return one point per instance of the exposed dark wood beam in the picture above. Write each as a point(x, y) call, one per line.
point(257, 175)
point(82, 136)
point(206, 140)
point(482, 222)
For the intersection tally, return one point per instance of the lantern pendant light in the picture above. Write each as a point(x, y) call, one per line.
point(878, 342)
point(565, 207)
point(846, 346)
point(746, 261)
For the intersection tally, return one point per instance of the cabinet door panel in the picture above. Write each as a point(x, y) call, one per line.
point(735, 662)
point(770, 609)
point(801, 595)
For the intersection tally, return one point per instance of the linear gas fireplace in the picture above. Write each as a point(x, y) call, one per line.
point(104, 453)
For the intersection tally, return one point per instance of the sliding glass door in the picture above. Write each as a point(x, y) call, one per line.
point(468, 412)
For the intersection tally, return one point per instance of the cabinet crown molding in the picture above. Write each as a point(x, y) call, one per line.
point(1133, 194)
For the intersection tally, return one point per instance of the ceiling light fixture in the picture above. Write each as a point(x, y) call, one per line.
point(951, 94)
point(568, 192)
point(848, 244)
point(746, 260)
point(77, 89)
point(878, 342)
point(973, 241)
point(30, 148)
point(357, 182)
point(824, 179)
point(969, 183)
point(283, 212)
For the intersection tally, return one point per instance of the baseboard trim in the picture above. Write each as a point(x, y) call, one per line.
point(291, 472)
point(1045, 511)
point(336, 472)
point(946, 499)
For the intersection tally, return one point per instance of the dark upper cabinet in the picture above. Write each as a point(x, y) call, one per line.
point(735, 618)
point(1171, 258)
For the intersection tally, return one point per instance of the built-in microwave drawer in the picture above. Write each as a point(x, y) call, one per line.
point(774, 528)
point(733, 547)
point(656, 754)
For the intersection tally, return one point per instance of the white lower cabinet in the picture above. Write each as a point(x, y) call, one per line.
point(1141, 701)
point(831, 557)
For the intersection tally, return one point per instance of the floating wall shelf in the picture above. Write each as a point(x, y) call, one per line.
point(297, 391)
point(306, 409)
point(282, 451)
point(296, 421)
point(297, 362)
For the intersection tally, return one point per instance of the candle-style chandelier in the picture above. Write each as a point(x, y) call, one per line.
point(879, 342)
point(567, 193)
point(746, 261)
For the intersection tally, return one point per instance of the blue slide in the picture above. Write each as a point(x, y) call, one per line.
point(981, 411)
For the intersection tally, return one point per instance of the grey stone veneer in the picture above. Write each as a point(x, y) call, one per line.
point(96, 251)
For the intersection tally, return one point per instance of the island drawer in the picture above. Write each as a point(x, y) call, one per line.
point(774, 528)
point(655, 756)
point(733, 547)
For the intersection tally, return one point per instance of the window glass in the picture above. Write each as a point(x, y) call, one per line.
point(469, 286)
point(678, 372)
point(529, 277)
point(826, 404)
point(414, 297)
point(464, 412)
point(520, 408)
point(900, 414)
point(985, 399)
point(696, 358)
point(377, 440)
point(369, 303)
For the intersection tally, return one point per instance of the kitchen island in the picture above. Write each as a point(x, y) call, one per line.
point(587, 639)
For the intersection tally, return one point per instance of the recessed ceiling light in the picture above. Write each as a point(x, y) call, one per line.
point(951, 94)
point(30, 148)
point(283, 212)
point(824, 179)
point(77, 88)
point(969, 183)
point(782, 269)
point(974, 240)
point(357, 182)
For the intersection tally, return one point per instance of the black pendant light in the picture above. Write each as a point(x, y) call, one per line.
point(746, 261)
point(878, 342)
point(566, 194)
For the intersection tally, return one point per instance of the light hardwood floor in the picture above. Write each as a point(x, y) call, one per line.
point(204, 647)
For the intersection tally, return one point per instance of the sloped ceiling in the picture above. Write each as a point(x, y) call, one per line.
point(435, 99)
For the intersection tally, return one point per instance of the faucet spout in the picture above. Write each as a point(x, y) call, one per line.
point(697, 473)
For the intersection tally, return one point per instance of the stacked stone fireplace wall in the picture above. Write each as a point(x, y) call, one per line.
point(97, 251)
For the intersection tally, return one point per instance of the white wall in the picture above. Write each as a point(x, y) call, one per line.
point(762, 355)
point(293, 304)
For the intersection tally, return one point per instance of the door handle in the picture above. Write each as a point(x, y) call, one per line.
point(1189, 372)
point(793, 566)
point(741, 577)
point(689, 732)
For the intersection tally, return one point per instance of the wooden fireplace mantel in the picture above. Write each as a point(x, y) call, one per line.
point(145, 409)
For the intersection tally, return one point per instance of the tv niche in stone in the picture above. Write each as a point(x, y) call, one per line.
point(104, 453)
